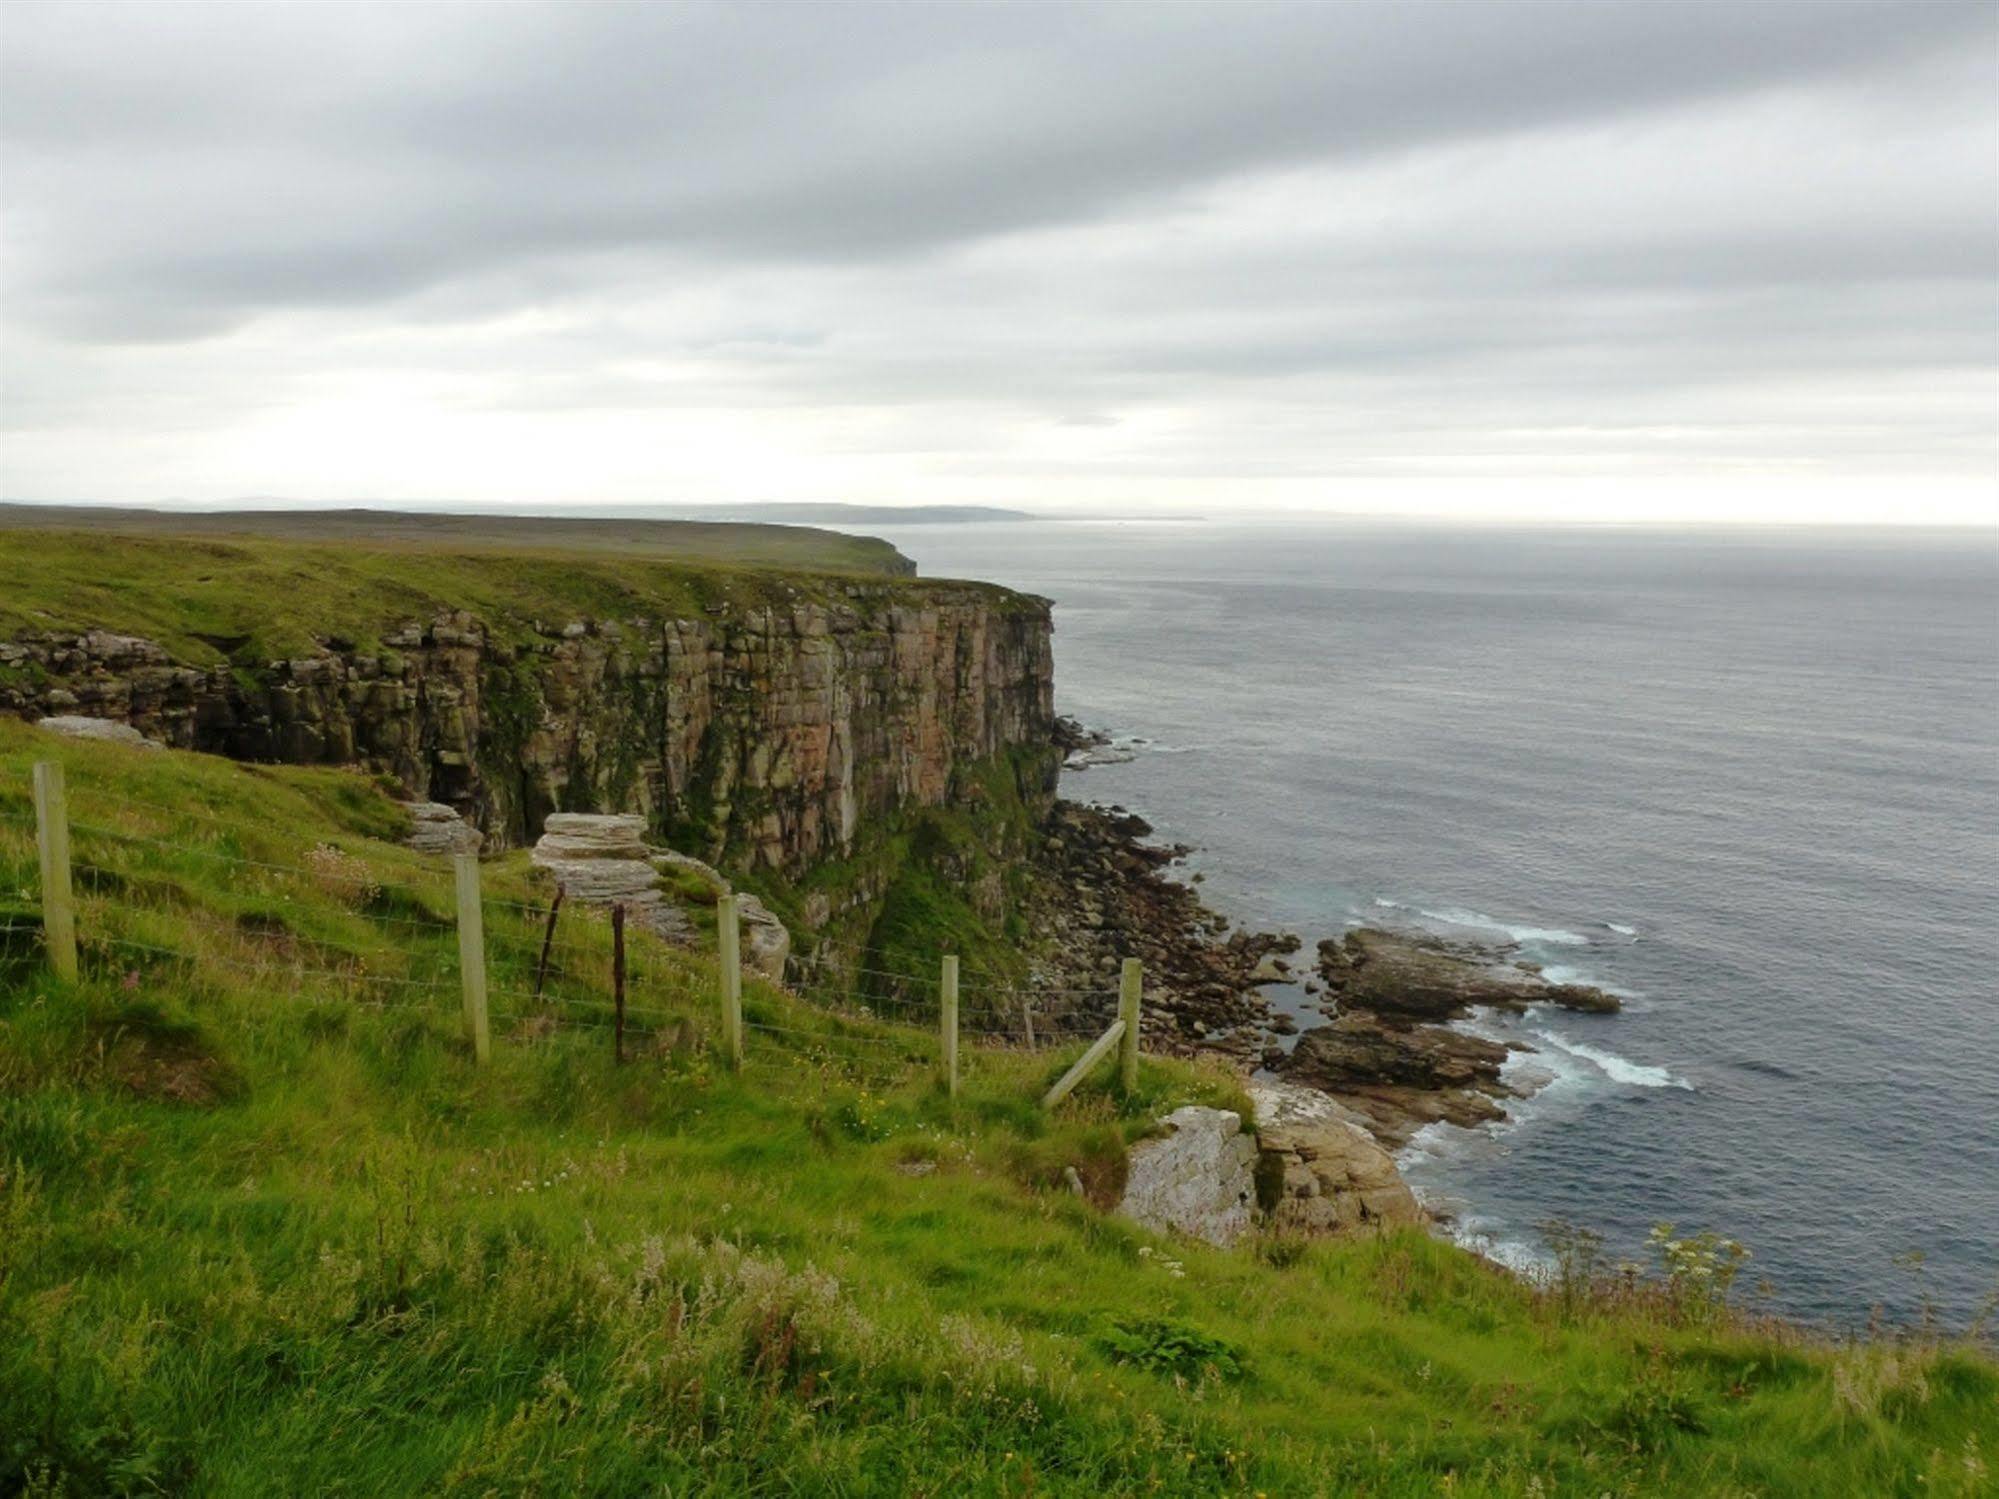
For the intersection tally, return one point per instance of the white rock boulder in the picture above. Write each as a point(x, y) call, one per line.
point(1197, 1179)
point(109, 730)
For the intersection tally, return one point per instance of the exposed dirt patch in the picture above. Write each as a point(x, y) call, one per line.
point(167, 1060)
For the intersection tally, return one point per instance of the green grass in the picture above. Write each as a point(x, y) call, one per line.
point(268, 1229)
point(249, 600)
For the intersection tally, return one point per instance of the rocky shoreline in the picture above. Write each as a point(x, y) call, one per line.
point(1390, 1051)
point(1109, 896)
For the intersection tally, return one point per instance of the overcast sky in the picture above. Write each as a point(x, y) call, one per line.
point(1618, 258)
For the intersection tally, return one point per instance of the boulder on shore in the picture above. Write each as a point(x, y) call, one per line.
point(1390, 1053)
point(1427, 978)
point(1330, 1175)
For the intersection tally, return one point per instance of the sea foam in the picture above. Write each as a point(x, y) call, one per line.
point(1617, 1069)
point(1478, 921)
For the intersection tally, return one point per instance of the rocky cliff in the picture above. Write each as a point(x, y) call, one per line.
point(770, 733)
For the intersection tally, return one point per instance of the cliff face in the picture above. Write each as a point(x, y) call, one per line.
point(772, 734)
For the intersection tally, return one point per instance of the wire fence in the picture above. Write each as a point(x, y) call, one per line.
point(132, 890)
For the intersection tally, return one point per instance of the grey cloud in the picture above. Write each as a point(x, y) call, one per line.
point(1192, 240)
point(193, 164)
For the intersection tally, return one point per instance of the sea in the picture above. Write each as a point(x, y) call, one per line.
point(1748, 779)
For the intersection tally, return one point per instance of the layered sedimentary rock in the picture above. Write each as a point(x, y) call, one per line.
point(602, 860)
point(438, 829)
point(771, 734)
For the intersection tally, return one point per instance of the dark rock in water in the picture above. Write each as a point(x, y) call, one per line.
point(1427, 978)
point(1358, 1051)
point(1582, 997)
point(1391, 1054)
point(1402, 1077)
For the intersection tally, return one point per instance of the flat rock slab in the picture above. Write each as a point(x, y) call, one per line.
point(591, 835)
point(438, 829)
point(602, 859)
point(109, 730)
point(1198, 1179)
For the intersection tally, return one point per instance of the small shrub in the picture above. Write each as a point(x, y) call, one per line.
point(863, 1117)
point(1699, 1271)
point(342, 876)
point(1160, 1346)
point(1282, 1251)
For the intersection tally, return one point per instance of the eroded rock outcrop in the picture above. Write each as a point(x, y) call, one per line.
point(603, 860)
point(769, 730)
point(1310, 1167)
point(1325, 1173)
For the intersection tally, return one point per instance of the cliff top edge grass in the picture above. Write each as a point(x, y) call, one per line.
point(265, 1226)
point(735, 541)
point(251, 599)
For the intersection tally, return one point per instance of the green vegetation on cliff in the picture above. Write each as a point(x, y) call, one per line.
point(260, 1236)
point(250, 598)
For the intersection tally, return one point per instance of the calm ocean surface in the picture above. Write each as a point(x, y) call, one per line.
point(1751, 780)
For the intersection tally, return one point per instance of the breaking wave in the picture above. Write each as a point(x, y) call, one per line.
point(1479, 922)
point(1617, 1069)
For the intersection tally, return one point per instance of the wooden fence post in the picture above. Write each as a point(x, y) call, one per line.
point(1089, 1059)
point(1130, 985)
point(618, 979)
point(728, 954)
point(52, 836)
point(472, 955)
point(948, 1020)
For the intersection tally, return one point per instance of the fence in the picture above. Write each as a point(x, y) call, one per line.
point(516, 961)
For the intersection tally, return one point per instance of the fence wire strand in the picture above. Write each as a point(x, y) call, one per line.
point(566, 946)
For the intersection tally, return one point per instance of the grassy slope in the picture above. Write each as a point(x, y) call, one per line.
point(256, 1237)
point(254, 599)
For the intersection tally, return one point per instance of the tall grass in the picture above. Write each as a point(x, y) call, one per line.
point(273, 1231)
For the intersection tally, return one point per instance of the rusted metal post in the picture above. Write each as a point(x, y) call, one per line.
point(618, 977)
point(728, 954)
point(547, 943)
